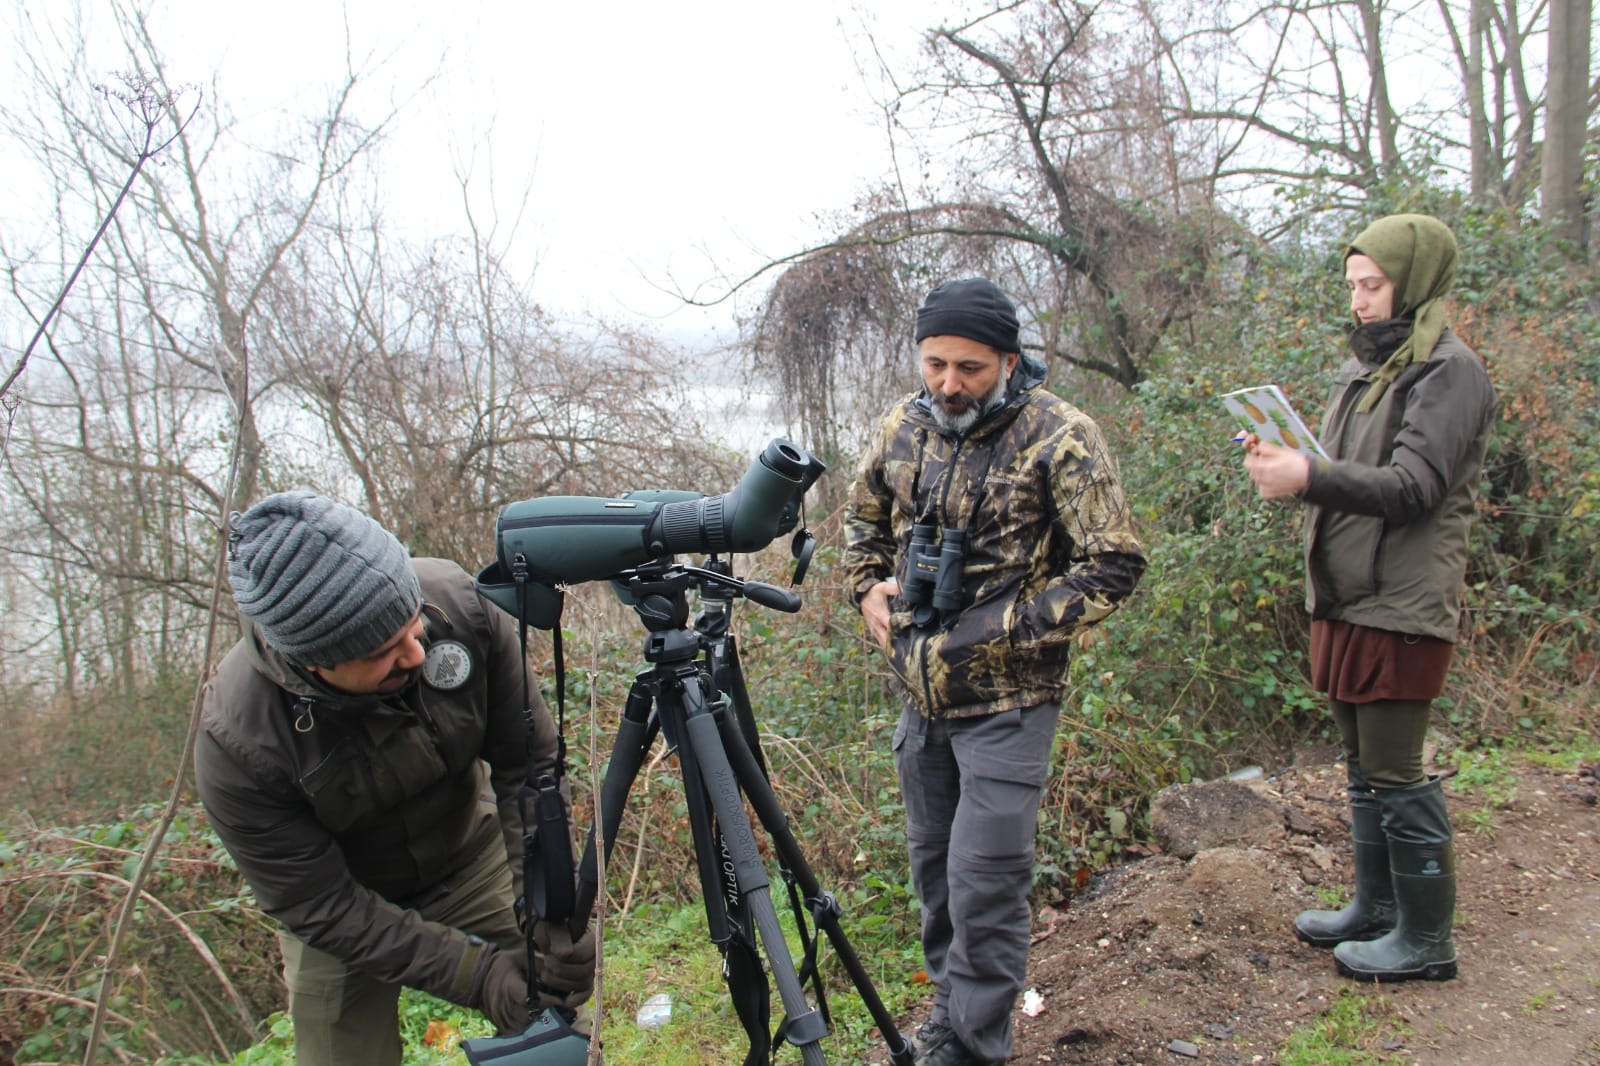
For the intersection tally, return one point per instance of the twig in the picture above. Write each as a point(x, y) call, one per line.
point(82, 843)
point(600, 860)
point(149, 107)
point(77, 1001)
point(203, 681)
point(195, 940)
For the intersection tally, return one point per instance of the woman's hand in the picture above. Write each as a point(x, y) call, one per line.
point(1277, 472)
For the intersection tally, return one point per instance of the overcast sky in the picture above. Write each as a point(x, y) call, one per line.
point(662, 142)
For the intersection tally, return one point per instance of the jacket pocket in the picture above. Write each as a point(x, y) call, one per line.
point(340, 788)
point(1350, 552)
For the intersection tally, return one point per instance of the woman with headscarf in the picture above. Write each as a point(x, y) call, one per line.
point(1386, 528)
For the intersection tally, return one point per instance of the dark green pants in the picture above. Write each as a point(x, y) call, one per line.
point(1385, 739)
point(343, 1017)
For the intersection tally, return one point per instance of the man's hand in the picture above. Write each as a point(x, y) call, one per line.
point(566, 966)
point(1278, 472)
point(500, 989)
point(875, 609)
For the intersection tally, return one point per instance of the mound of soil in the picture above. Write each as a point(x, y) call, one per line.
point(1168, 960)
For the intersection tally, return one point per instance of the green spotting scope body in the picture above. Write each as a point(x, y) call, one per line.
point(566, 540)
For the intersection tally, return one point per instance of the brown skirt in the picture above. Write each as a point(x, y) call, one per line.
point(1358, 664)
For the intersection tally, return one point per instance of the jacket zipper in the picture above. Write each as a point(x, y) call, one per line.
point(944, 516)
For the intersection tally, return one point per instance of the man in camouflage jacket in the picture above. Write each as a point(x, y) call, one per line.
point(1047, 549)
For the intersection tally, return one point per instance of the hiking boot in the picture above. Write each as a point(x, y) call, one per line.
point(931, 1034)
point(949, 1052)
point(938, 1045)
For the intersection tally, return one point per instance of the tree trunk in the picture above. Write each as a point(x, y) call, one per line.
point(1561, 194)
point(1477, 113)
point(1384, 120)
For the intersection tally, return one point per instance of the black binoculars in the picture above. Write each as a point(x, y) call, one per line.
point(932, 585)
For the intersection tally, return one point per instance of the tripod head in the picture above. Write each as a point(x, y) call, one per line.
point(658, 591)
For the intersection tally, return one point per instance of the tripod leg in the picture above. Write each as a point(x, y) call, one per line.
point(727, 909)
point(636, 732)
point(709, 847)
point(825, 910)
point(806, 1028)
point(728, 676)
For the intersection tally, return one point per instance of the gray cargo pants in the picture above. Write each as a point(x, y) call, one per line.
point(972, 788)
point(341, 1016)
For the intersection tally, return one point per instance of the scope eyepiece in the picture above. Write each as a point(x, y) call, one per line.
point(748, 518)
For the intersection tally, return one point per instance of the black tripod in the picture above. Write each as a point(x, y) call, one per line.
point(695, 695)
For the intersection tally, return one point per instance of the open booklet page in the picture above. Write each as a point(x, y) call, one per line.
point(1267, 413)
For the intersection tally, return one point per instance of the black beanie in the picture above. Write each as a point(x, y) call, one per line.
point(974, 308)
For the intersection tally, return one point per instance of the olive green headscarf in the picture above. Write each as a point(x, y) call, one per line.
point(1418, 253)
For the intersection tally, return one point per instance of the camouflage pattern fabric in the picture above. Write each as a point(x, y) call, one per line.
point(1050, 544)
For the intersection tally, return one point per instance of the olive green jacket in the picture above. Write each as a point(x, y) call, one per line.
point(1386, 532)
point(1050, 544)
point(340, 809)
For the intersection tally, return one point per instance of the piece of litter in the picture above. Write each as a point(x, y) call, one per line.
point(1183, 1047)
point(1032, 1003)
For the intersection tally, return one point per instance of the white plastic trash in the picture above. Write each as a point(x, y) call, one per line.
point(655, 1011)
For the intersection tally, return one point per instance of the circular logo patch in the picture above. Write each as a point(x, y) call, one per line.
point(447, 665)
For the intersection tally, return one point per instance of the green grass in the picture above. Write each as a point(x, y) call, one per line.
point(657, 949)
point(1332, 898)
point(1351, 1032)
point(1487, 777)
point(451, 1025)
point(1583, 751)
point(668, 951)
point(1487, 780)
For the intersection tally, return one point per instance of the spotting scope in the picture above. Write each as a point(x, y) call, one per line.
point(547, 542)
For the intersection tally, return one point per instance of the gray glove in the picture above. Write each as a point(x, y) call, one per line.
point(500, 987)
point(565, 966)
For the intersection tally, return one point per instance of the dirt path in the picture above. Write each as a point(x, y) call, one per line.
point(1201, 952)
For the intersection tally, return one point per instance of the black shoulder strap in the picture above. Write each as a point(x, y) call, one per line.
point(549, 874)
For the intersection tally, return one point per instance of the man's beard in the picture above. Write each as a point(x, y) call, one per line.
point(971, 409)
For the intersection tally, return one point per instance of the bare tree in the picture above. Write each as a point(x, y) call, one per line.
point(1104, 159)
point(832, 333)
point(446, 392)
point(1044, 172)
point(112, 484)
point(149, 109)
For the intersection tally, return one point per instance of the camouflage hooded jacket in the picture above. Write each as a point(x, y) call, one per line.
point(1050, 544)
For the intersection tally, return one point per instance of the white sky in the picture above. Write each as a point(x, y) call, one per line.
point(662, 141)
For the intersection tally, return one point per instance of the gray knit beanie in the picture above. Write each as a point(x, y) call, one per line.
point(324, 583)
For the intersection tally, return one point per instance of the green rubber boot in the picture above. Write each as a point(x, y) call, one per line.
point(1370, 913)
point(1422, 863)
